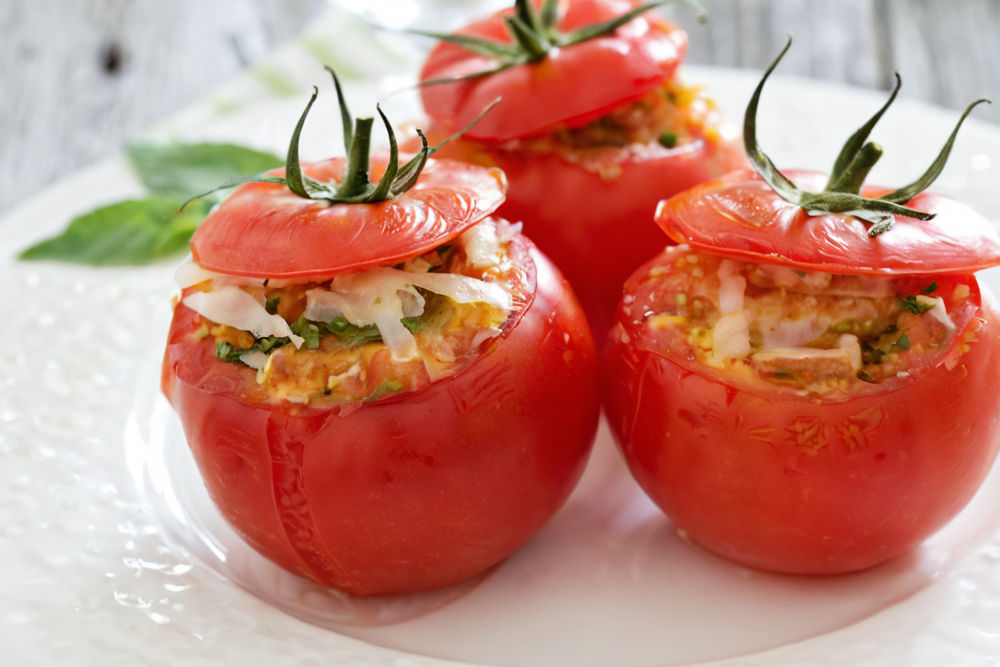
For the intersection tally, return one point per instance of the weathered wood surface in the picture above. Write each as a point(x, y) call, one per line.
point(78, 78)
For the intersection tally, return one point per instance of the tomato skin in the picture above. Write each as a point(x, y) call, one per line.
point(571, 86)
point(789, 484)
point(740, 216)
point(597, 228)
point(410, 492)
point(263, 229)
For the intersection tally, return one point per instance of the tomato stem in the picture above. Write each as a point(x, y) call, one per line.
point(355, 180)
point(293, 170)
point(355, 187)
point(534, 33)
point(852, 166)
point(857, 140)
point(853, 176)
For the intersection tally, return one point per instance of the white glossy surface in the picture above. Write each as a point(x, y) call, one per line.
point(111, 554)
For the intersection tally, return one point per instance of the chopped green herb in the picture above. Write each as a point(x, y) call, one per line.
point(903, 343)
point(864, 377)
point(668, 139)
point(306, 329)
point(272, 304)
point(226, 352)
point(351, 334)
point(930, 288)
point(915, 305)
point(270, 343)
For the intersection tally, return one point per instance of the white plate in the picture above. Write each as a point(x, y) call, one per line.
point(112, 552)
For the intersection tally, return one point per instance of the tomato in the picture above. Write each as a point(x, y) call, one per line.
point(588, 207)
point(293, 237)
point(570, 86)
point(782, 477)
point(347, 454)
point(412, 491)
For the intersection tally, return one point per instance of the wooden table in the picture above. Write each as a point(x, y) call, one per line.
point(79, 78)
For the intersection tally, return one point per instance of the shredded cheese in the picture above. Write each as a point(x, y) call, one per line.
point(234, 307)
point(383, 296)
point(731, 334)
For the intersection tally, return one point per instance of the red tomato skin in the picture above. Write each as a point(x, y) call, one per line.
point(571, 86)
point(597, 228)
point(263, 229)
point(740, 216)
point(798, 486)
point(411, 492)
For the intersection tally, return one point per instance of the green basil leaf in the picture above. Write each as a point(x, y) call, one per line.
point(181, 171)
point(135, 231)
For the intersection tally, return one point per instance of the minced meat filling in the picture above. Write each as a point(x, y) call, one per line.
point(810, 331)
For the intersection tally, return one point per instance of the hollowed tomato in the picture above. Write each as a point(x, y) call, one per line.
point(416, 489)
point(591, 137)
point(868, 425)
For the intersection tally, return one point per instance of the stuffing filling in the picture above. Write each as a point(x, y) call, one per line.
point(671, 116)
point(811, 331)
point(362, 336)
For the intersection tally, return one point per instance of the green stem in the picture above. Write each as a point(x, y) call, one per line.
point(535, 46)
point(293, 170)
point(852, 166)
point(345, 114)
point(356, 173)
point(908, 192)
point(853, 176)
point(857, 140)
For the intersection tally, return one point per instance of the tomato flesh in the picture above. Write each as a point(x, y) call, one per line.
point(797, 482)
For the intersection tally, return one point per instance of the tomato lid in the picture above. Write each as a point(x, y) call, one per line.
point(570, 85)
point(263, 229)
point(740, 216)
point(833, 223)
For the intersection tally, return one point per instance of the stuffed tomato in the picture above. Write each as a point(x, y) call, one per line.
point(593, 127)
point(807, 383)
point(381, 396)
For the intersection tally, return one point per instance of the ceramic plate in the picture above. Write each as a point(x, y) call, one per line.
point(113, 553)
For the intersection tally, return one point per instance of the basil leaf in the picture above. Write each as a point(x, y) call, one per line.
point(135, 231)
point(181, 171)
